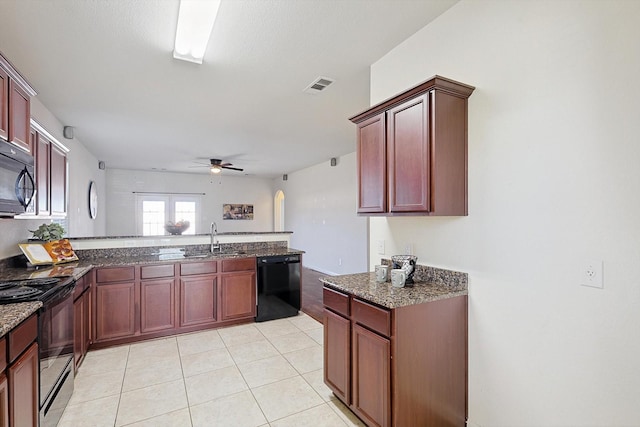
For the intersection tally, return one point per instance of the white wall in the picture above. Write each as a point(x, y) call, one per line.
point(320, 208)
point(83, 168)
point(553, 182)
point(218, 190)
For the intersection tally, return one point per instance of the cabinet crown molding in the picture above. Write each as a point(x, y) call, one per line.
point(436, 82)
point(16, 76)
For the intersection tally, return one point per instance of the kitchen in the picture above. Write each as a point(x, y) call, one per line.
point(543, 350)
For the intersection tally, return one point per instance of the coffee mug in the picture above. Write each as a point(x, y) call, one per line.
point(381, 273)
point(398, 277)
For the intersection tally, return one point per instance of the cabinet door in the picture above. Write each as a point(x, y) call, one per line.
point(337, 355)
point(371, 377)
point(43, 161)
point(58, 181)
point(4, 104)
point(409, 156)
point(372, 166)
point(86, 334)
point(78, 330)
point(4, 400)
point(19, 116)
point(238, 295)
point(157, 305)
point(23, 389)
point(115, 311)
point(198, 300)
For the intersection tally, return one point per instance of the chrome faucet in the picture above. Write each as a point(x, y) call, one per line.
point(214, 237)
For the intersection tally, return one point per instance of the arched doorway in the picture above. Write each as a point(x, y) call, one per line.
point(278, 211)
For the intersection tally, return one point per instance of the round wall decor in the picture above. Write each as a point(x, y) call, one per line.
point(93, 200)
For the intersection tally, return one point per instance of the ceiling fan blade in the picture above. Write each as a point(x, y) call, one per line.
point(235, 169)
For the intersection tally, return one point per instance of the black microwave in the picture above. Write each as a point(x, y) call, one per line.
point(17, 186)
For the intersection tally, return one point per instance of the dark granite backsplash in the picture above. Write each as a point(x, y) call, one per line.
point(438, 276)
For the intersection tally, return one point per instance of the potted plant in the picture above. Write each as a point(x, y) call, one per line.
point(48, 232)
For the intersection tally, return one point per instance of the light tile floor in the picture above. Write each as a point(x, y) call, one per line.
point(253, 375)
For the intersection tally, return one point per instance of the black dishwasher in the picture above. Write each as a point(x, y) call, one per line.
point(278, 287)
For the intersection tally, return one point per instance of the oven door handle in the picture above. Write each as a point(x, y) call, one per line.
point(66, 293)
point(25, 188)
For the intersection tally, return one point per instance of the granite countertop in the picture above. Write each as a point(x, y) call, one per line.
point(12, 314)
point(157, 259)
point(74, 269)
point(222, 233)
point(364, 286)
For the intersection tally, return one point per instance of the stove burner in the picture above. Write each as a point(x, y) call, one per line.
point(18, 293)
point(45, 281)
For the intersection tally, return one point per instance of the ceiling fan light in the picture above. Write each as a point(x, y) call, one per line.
point(216, 169)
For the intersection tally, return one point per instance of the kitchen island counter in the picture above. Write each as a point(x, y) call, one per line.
point(364, 285)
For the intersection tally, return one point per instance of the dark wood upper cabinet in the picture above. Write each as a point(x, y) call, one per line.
point(412, 151)
point(19, 116)
point(408, 154)
point(372, 161)
point(43, 163)
point(4, 104)
point(15, 106)
point(58, 181)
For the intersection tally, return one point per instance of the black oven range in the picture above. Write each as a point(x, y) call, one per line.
point(55, 338)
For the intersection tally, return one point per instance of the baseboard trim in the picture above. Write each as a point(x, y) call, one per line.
point(320, 270)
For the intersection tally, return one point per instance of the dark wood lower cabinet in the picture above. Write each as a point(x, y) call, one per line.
point(132, 303)
point(337, 362)
point(115, 311)
point(23, 389)
point(4, 401)
point(237, 296)
point(198, 300)
point(157, 305)
point(400, 367)
point(371, 377)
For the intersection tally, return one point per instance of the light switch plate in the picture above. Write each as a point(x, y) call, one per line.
point(381, 247)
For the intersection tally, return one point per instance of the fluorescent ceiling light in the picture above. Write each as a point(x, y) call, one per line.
point(195, 22)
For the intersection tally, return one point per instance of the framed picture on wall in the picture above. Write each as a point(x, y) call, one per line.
point(237, 211)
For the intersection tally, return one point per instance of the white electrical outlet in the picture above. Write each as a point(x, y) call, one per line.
point(381, 247)
point(339, 261)
point(592, 274)
point(408, 249)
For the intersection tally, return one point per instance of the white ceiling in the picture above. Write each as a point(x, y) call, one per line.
point(105, 67)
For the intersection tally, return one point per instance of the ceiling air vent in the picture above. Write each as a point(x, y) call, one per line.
point(318, 85)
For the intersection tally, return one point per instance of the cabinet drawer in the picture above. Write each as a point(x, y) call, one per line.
point(336, 301)
point(154, 271)
point(116, 274)
point(191, 268)
point(3, 354)
point(241, 264)
point(374, 318)
point(79, 289)
point(22, 336)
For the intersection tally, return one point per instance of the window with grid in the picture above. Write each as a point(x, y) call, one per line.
point(155, 210)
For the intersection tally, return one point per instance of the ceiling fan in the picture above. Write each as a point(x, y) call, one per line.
point(216, 166)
